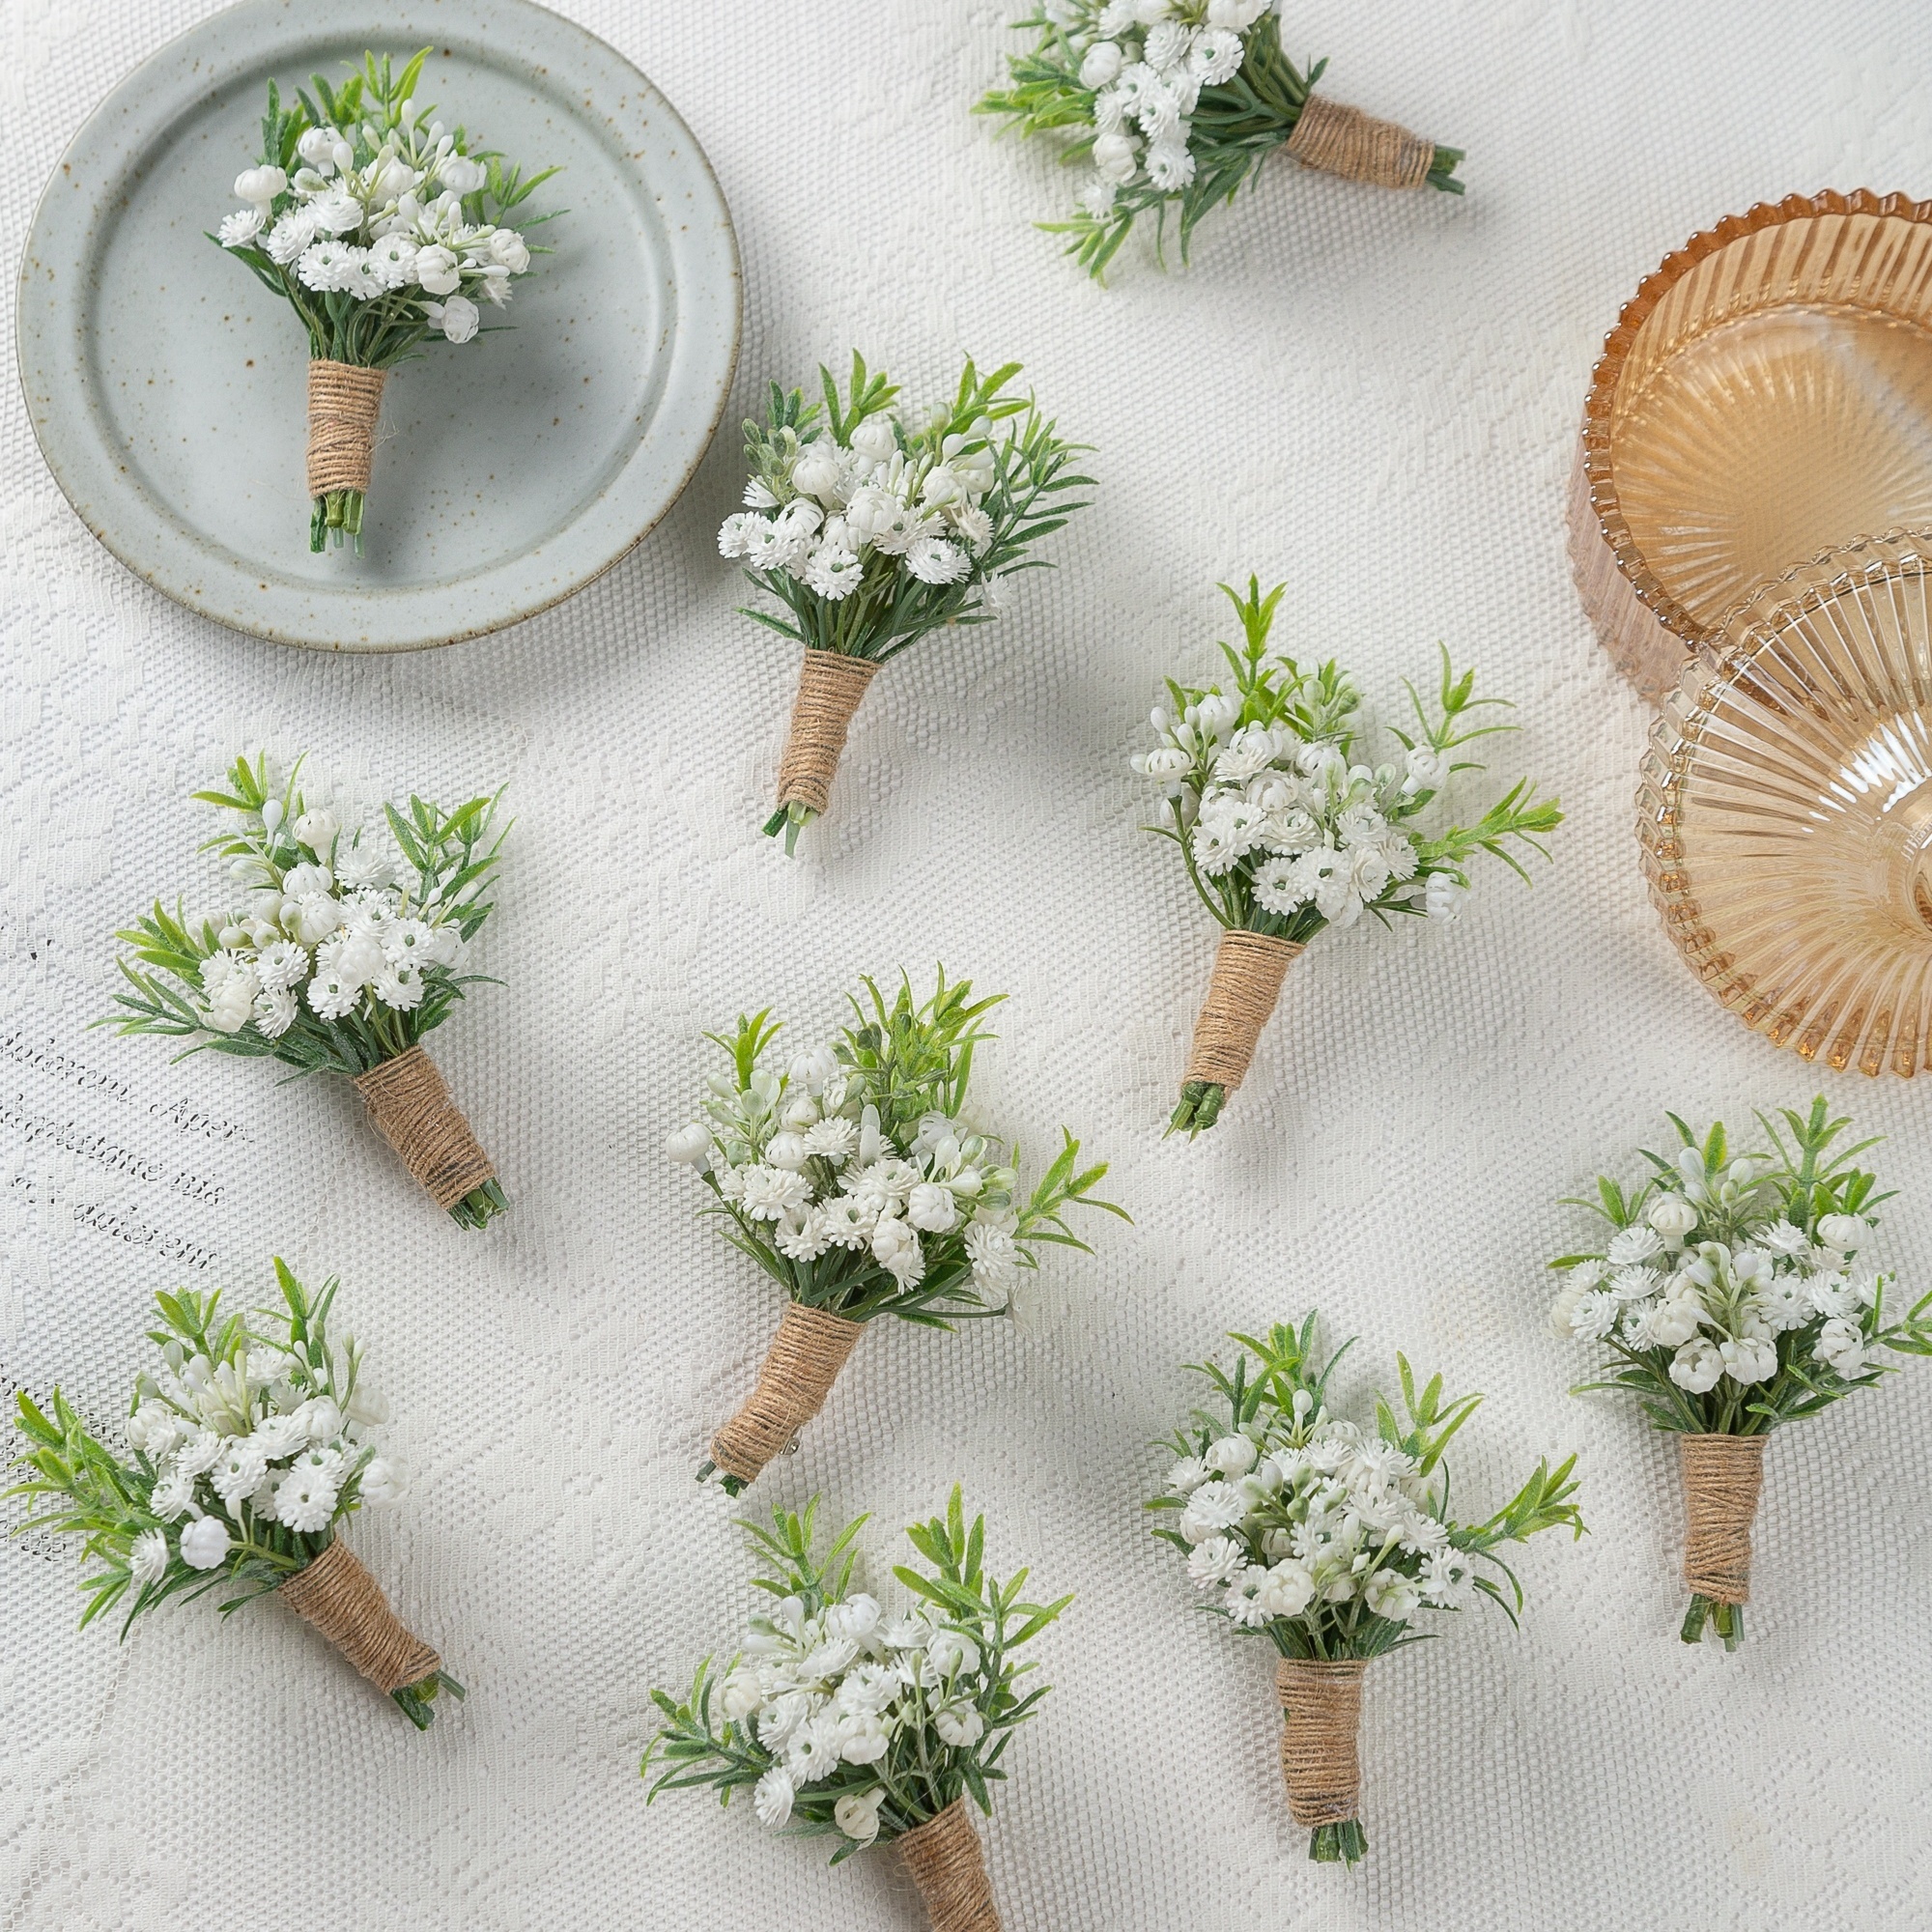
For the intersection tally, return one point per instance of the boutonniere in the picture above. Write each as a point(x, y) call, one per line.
point(872, 526)
point(846, 1721)
point(335, 955)
point(1330, 1538)
point(1285, 828)
point(248, 1447)
point(853, 1177)
point(382, 229)
point(1174, 104)
point(1730, 1298)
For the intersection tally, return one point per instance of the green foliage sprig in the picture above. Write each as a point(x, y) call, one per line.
point(1089, 83)
point(1300, 1526)
point(252, 1448)
point(842, 1720)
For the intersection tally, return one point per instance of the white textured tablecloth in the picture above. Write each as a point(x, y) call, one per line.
point(1370, 395)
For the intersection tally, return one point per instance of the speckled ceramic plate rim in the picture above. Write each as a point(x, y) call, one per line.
point(52, 290)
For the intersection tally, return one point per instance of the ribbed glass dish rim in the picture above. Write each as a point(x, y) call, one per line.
point(1724, 654)
point(1600, 403)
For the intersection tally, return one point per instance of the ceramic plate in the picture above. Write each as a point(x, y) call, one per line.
point(167, 386)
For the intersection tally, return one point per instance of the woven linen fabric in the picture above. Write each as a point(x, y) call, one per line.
point(1372, 396)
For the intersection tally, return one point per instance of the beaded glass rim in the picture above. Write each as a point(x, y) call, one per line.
point(1600, 404)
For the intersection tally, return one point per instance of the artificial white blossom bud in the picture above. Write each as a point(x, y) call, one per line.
point(1231, 1456)
point(1842, 1232)
point(205, 1543)
point(874, 440)
point(856, 1814)
point(1674, 1217)
point(260, 185)
point(1101, 67)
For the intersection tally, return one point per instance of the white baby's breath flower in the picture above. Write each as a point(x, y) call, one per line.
point(933, 560)
point(241, 228)
point(771, 1798)
point(147, 1559)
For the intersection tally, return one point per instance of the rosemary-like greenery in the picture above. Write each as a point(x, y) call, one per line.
point(932, 1699)
point(1729, 1296)
point(269, 1401)
point(302, 885)
point(1232, 129)
point(1329, 1538)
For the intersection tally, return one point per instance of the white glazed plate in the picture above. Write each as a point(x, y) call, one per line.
point(167, 386)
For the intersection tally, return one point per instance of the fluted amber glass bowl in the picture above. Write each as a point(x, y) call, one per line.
point(1766, 394)
point(1785, 809)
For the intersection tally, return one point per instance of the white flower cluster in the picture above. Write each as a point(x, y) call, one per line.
point(823, 1692)
point(1718, 1308)
point(246, 1440)
point(1310, 827)
point(802, 1155)
point(1144, 63)
point(1307, 1511)
point(832, 504)
point(330, 927)
point(395, 225)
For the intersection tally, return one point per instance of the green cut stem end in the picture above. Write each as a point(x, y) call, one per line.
point(418, 1702)
point(1725, 1620)
point(1341, 1844)
point(732, 1485)
point(1442, 169)
point(479, 1206)
point(789, 819)
point(337, 515)
point(1199, 1107)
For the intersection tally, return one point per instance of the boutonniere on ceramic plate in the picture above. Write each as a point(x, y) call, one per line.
point(383, 229)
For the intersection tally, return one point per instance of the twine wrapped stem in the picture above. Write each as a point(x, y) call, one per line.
point(1345, 141)
point(948, 1866)
point(829, 688)
point(346, 1604)
point(799, 1369)
point(1321, 1715)
point(343, 405)
point(1722, 1476)
point(414, 1113)
point(1241, 994)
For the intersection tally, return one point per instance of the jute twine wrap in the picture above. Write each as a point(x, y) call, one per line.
point(343, 402)
point(1322, 1713)
point(1722, 1475)
point(346, 1605)
point(830, 686)
point(799, 1369)
point(950, 1869)
point(1241, 992)
point(1345, 141)
point(409, 1104)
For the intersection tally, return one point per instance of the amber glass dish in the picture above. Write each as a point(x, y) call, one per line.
point(1766, 394)
point(1785, 809)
